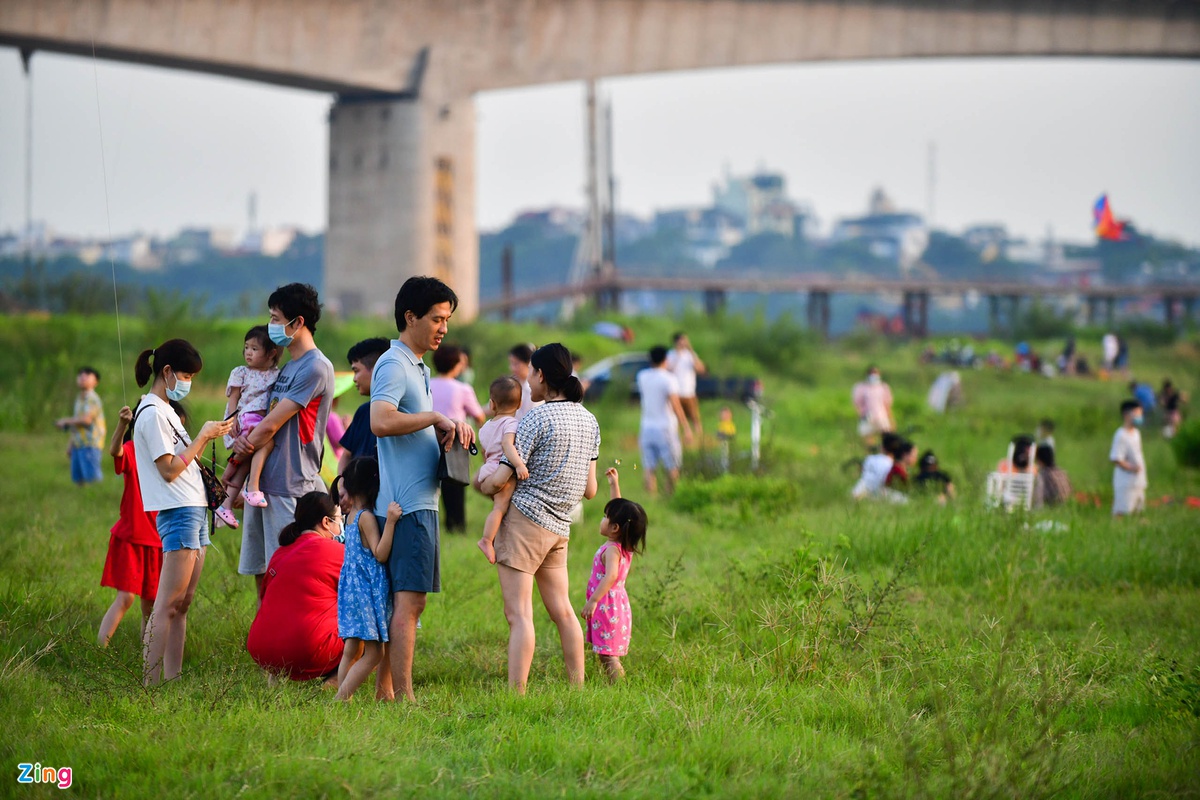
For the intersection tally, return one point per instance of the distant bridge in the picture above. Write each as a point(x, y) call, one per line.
point(1179, 300)
point(401, 159)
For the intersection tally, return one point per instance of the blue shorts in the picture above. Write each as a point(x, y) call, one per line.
point(183, 528)
point(85, 465)
point(660, 447)
point(415, 561)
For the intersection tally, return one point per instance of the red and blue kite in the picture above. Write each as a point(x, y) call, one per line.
point(1106, 225)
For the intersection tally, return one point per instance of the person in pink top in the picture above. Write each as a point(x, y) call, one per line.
point(873, 403)
point(457, 401)
point(606, 613)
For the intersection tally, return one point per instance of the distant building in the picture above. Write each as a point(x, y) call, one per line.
point(137, 251)
point(559, 220)
point(897, 237)
point(760, 200)
point(193, 245)
point(710, 232)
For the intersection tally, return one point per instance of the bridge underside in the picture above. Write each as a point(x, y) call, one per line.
point(401, 144)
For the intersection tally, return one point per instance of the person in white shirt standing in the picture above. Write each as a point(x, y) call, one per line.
point(684, 364)
point(662, 416)
point(171, 485)
point(1129, 465)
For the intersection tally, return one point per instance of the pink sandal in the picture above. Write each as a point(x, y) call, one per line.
point(226, 517)
point(256, 499)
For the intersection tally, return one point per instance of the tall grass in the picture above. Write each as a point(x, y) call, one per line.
point(787, 642)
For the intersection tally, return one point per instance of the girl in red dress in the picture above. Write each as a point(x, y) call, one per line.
point(134, 558)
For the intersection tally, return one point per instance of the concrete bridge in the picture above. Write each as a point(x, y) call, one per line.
point(401, 145)
point(1004, 297)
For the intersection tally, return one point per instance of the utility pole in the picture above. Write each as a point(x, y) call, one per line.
point(593, 255)
point(610, 253)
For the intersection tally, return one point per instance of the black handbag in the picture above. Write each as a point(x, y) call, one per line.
point(455, 465)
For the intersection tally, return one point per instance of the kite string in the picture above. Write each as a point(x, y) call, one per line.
point(108, 220)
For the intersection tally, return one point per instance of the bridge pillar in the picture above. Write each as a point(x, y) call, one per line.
point(993, 312)
point(1169, 310)
point(818, 313)
point(506, 282)
point(1092, 303)
point(714, 301)
point(401, 200)
point(1110, 310)
point(916, 314)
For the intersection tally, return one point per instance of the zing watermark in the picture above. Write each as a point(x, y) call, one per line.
point(36, 773)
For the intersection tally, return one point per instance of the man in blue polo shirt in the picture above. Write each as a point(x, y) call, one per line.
point(410, 434)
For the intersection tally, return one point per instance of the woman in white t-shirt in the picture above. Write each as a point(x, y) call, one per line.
point(171, 485)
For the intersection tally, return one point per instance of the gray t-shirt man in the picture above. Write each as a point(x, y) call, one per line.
point(294, 467)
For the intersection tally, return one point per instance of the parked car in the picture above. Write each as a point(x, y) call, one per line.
point(621, 371)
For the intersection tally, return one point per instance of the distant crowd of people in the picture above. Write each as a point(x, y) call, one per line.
point(887, 472)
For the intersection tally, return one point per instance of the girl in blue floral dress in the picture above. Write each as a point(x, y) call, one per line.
point(364, 594)
point(607, 614)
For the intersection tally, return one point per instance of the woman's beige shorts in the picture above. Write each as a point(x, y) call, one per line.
point(525, 546)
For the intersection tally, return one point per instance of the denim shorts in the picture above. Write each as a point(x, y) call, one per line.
point(415, 561)
point(85, 465)
point(183, 528)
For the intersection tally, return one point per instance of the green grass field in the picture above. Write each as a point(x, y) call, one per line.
point(787, 642)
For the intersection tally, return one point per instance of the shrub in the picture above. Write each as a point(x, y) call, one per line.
point(1186, 444)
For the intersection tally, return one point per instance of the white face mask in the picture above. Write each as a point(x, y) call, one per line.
point(874, 378)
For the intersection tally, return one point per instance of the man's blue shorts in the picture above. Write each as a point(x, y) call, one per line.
point(415, 561)
point(85, 465)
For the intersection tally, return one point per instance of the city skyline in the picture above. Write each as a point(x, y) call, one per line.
point(1030, 144)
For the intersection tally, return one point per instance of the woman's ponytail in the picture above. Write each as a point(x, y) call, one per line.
point(554, 361)
point(177, 354)
point(142, 370)
point(572, 389)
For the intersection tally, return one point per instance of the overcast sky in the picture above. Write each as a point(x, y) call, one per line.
point(1029, 143)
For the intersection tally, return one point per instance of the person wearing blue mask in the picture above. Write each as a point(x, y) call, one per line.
point(1144, 394)
point(1129, 465)
point(297, 411)
point(170, 484)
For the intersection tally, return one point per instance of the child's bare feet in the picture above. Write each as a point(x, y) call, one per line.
point(488, 550)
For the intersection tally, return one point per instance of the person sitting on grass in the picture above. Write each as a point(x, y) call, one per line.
point(904, 458)
point(932, 479)
point(1022, 457)
point(364, 607)
point(295, 632)
point(876, 468)
point(1051, 487)
point(608, 619)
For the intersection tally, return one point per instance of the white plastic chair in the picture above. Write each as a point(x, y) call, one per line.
point(1009, 490)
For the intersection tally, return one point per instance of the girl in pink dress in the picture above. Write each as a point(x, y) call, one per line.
point(608, 618)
